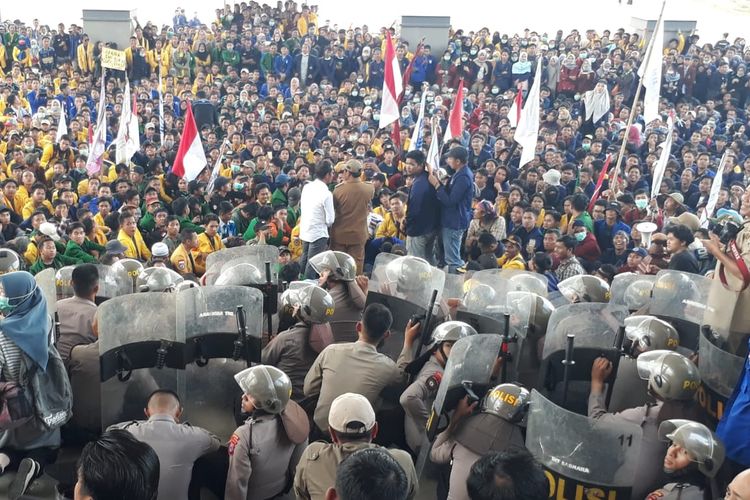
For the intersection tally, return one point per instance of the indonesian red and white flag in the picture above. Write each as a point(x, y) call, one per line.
point(514, 115)
point(392, 85)
point(456, 119)
point(190, 159)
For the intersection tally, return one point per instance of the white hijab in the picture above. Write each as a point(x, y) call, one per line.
point(597, 102)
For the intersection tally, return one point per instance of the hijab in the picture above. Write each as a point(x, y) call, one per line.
point(597, 101)
point(27, 324)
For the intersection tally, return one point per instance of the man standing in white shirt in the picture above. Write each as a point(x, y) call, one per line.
point(317, 215)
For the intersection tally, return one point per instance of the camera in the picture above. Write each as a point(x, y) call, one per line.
point(725, 229)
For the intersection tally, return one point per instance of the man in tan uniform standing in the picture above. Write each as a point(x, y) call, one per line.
point(352, 426)
point(351, 200)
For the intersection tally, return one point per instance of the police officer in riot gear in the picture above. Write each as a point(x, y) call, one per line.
point(417, 399)
point(694, 455)
point(265, 450)
point(673, 381)
point(337, 273)
point(9, 261)
point(294, 350)
point(157, 279)
point(242, 274)
point(471, 435)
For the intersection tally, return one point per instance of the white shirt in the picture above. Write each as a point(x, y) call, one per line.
point(317, 213)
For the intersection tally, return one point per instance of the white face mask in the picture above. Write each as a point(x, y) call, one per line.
point(641, 204)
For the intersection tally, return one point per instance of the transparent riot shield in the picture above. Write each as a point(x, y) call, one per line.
point(132, 268)
point(594, 328)
point(720, 371)
point(529, 315)
point(45, 280)
point(681, 298)
point(584, 288)
point(64, 282)
point(222, 330)
point(484, 303)
point(257, 255)
point(583, 458)
point(525, 281)
point(454, 286)
point(631, 290)
point(467, 372)
point(139, 351)
point(405, 285)
point(113, 282)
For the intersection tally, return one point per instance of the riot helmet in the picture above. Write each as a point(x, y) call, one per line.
point(9, 261)
point(507, 401)
point(702, 445)
point(158, 279)
point(670, 375)
point(242, 274)
point(341, 266)
point(649, 333)
point(584, 288)
point(409, 273)
point(269, 387)
point(480, 296)
point(527, 282)
point(450, 331)
point(316, 305)
point(638, 294)
point(132, 267)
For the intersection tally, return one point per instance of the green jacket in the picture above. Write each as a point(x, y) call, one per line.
point(186, 223)
point(292, 216)
point(60, 261)
point(147, 222)
point(82, 253)
point(279, 198)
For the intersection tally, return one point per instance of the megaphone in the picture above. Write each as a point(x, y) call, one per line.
point(646, 229)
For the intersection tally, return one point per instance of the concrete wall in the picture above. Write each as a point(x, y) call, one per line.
point(433, 28)
point(108, 26)
point(645, 27)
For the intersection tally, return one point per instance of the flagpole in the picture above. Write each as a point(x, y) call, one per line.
point(631, 118)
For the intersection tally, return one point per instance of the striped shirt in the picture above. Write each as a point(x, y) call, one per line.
point(10, 359)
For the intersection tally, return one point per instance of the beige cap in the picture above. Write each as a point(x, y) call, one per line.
point(354, 166)
point(351, 414)
point(686, 218)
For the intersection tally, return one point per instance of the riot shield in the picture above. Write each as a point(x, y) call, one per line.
point(139, 351)
point(257, 255)
point(584, 288)
point(525, 281)
point(454, 286)
point(45, 280)
point(631, 290)
point(218, 344)
point(113, 282)
point(484, 303)
point(467, 372)
point(594, 329)
point(681, 299)
point(720, 371)
point(132, 268)
point(405, 285)
point(64, 282)
point(529, 316)
point(582, 457)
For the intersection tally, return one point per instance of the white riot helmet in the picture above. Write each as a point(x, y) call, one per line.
point(670, 375)
point(242, 274)
point(450, 331)
point(315, 305)
point(704, 446)
point(507, 401)
point(158, 279)
point(479, 297)
point(649, 333)
point(340, 265)
point(269, 387)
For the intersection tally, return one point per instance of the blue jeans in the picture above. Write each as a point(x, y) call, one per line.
point(310, 250)
point(422, 246)
point(452, 248)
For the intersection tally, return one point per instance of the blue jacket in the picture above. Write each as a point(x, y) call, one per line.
point(423, 208)
point(284, 65)
point(736, 420)
point(604, 233)
point(456, 200)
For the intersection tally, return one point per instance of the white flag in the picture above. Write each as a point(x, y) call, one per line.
point(217, 168)
point(713, 195)
point(128, 140)
point(527, 131)
point(433, 154)
point(62, 126)
point(650, 73)
point(661, 163)
point(99, 137)
point(417, 134)
point(161, 111)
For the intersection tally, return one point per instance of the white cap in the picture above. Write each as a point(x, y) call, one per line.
point(160, 249)
point(351, 414)
point(49, 229)
point(552, 177)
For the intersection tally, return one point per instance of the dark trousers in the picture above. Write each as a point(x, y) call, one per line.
point(310, 250)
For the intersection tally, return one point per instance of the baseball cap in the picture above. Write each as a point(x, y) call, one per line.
point(688, 219)
point(114, 247)
point(282, 179)
point(677, 197)
point(640, 251)
point(160, 249)
point(514, 240)
point(49, 229)
point(283, 250)
point(353, 166)
point(351, 414)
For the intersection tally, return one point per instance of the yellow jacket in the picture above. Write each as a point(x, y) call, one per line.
point(295, 244)
point(29, 208)
point(85, 57)
point(181, 261)
point(135, 248)
point(389, 229)
point(206, 246)
point(516, 262)
point(32, 252)
point(23, 61)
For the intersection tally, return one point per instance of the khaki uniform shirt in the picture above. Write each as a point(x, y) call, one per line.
point(262, 459)
point(84, 373)
point(76, 316)
point(417, 402)
point(729, 310)
point(316, 471)
point(351, 201)
point(355, 367)
point(178, 446)
point(291, 353)
point(350, 302)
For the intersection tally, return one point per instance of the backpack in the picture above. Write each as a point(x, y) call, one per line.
point(49, 389)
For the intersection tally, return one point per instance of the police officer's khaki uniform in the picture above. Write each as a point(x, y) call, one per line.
point(350, 302)
point(417, 401)
point(84, 374)
point(677, 491)
point(262, 459)
point(445, 450)
point(76, 316)
point(649, 474)
point(291, 353)
point(316, 471)
point(355, 367)
point(178, 446)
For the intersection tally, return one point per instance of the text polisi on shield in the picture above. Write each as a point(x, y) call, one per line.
point(563, 488)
